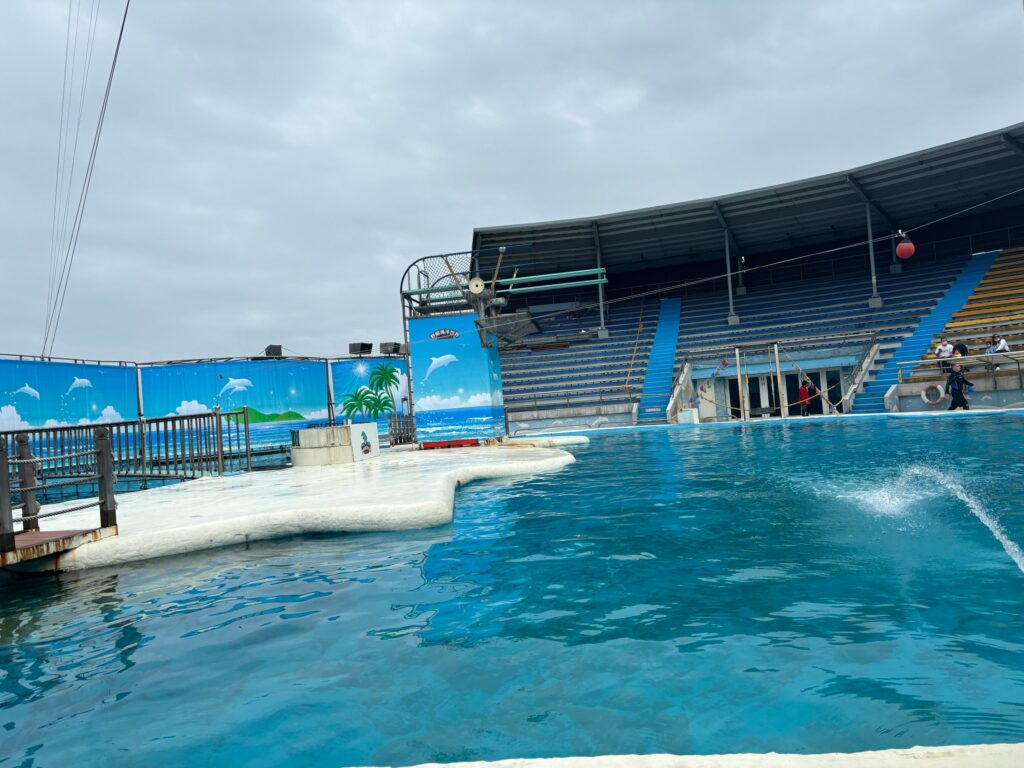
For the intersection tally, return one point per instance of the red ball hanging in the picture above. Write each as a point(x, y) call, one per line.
point(905, 249)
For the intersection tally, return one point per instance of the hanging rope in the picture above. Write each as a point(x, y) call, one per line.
point(821, 391)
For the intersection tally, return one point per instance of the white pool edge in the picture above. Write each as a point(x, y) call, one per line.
point(969, 756)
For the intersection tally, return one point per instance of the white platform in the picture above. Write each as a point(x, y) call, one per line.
point(400, 490)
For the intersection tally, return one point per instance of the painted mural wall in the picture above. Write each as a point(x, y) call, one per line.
point(49, 394)
point(368, 389)
point(281, 394)
point(456, 382)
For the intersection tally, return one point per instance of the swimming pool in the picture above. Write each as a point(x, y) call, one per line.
point(799, 587)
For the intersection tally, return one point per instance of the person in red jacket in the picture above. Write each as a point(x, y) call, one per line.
point(804, 397)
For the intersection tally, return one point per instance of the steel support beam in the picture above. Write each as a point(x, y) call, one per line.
point(600, 286)
point(1012, 143)
point(874, 301)
point(894, 267)
point(733, 318)
point(741, 289)
point(859, 191)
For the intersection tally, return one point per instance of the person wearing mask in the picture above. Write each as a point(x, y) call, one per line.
point(943, 352)
point(956, 387)
point(997, 345)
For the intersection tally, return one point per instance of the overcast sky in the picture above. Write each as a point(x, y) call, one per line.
point(267, 170)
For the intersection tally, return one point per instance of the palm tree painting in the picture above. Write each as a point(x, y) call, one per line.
point(355, 403)
point(384, 378)
point(376, 400)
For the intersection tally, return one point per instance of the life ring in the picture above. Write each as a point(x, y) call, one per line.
point(933, 394)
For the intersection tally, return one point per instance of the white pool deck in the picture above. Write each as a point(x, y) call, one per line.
point(977, 756)
point(399, 490)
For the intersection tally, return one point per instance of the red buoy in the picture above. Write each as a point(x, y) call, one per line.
point(905, 248)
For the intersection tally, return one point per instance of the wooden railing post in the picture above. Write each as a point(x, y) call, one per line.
point(6, 517)
point(219, 431)
point(105, 469)
point(248, 445)
point(27, 479)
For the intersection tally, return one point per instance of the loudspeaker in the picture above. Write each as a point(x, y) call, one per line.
point(360, 348)
point(390, 348)
point(272, 350)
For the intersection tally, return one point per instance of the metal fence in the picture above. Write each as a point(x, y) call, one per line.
point(985, 365)
point(94, 463)
point(401, 429)
point(145, 450)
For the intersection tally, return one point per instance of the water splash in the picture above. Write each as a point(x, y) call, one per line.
point(894, 500)
point(976, 507)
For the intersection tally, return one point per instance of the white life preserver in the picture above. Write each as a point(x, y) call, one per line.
point(933, 394)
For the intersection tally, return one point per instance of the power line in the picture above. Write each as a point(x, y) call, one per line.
point(67, 152)
point(56, 182)
point(62, 285)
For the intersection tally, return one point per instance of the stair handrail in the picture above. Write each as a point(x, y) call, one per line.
point(860, 371)
point(682, 389)
point(636, 345)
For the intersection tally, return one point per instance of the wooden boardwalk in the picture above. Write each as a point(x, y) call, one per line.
point(32, 545)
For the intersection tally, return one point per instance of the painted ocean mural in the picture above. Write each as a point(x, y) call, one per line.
point(370, 389)
point(36, 394)
point(281, 394)
point(274, 390)
point(456, 382)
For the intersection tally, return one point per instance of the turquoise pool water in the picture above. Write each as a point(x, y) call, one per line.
point(804, 587)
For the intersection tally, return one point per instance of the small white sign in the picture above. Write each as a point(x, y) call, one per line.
point(365, 441)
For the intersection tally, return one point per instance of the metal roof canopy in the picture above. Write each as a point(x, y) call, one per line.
point(903, 192)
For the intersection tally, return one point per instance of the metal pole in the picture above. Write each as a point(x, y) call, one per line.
point(27, 479)
point(144, 451)
point(6, 517)
point(875, 301)
point(406, 312)
point(783, 404)
point(105, 465)
point(739, 387)
point(139, 402)
point(330, 393)
point(733, 319)
point(895, 267)
point(600, 286)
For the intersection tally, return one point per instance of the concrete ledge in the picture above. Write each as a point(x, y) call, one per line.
point(977, 756)
point(547, 441)
point(398, 491)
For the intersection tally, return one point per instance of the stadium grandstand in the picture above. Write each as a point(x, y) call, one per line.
point(725, 306)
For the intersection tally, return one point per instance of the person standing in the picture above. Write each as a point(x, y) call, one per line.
point(804, 398)
point(944, 351)
point(956, 386)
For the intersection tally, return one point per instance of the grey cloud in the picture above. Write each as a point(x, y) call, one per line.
point(269, 169)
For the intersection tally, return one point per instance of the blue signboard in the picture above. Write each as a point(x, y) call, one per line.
point(369, 389)
point(456, 381)
point(36, 393)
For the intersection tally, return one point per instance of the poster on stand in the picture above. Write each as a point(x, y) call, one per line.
point(456, 382)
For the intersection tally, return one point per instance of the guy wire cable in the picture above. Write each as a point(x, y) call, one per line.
point(73, 242)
